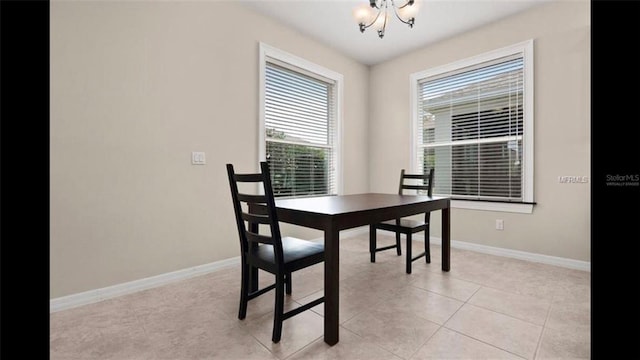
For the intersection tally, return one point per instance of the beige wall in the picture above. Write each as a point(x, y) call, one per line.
point(560, 222)
point(135, 88)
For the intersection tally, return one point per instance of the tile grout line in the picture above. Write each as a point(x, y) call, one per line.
point(516, 293)
point(489, 287)
point(463, 304)
point(544, 327)
point(484, 342)
point(508, 315)
point(302, 348)
point(469, 336)
point(386, 298)
point(443, 295)
point(248, 331)
point(426, 341)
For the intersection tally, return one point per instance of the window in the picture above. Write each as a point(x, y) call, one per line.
point(299, 124)
point(473, 123)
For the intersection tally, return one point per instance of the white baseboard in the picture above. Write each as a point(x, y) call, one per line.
point(355, 231)
point(347, 233)
point(517, 254)
point(92, 296)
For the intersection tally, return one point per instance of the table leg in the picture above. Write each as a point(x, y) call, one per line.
point(331, 285)
point(446, 239)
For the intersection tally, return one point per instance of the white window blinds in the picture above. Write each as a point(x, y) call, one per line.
point(300, 131)
point(470, 130)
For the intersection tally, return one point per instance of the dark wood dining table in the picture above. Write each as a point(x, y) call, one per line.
point(340, 212)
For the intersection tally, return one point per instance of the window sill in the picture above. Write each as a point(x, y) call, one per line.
point(492, 206)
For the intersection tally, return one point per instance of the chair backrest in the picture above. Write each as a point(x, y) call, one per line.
point(251, 210)
point(427, 182)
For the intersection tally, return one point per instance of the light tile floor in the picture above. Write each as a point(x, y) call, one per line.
point(486, 307)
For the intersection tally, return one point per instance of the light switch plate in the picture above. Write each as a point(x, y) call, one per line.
point(198, 158)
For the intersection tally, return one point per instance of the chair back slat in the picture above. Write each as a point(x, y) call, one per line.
point(427, 182)
point(251, 210)
point(252, 199)
point(256, 218)
point(415, 187)
point(248, 177)
point(417, 176)
point(259, 209)
point(257, 238)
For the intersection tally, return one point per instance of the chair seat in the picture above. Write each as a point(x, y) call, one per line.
point(406, 225)
point(297, 253)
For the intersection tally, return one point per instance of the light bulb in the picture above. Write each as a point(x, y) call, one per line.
point(409, 11)
point(379, 24)
point(362, 14)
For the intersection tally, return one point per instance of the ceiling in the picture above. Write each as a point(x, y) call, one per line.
point(331, 22)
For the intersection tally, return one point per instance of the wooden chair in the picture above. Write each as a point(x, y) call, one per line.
point(405, 226)
point(272, 253)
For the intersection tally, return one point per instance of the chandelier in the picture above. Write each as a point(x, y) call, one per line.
point(365, 16)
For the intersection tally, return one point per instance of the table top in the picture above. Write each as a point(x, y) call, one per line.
point(344, 204)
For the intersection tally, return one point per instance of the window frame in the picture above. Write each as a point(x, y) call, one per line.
point(267, 51)
point(526, 49)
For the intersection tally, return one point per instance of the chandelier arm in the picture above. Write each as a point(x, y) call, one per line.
point(409, 2)
point(374, 20)
point(384, 24)
point(408, 22)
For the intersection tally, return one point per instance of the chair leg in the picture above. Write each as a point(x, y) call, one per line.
point(279, 309)
point(427, 252)
point(244, 291)
point(409, 253)
point(287, 283)
point(398, 247)
point(372, 243)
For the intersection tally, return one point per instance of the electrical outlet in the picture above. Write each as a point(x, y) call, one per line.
point(197, 158)
point(499, 224)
